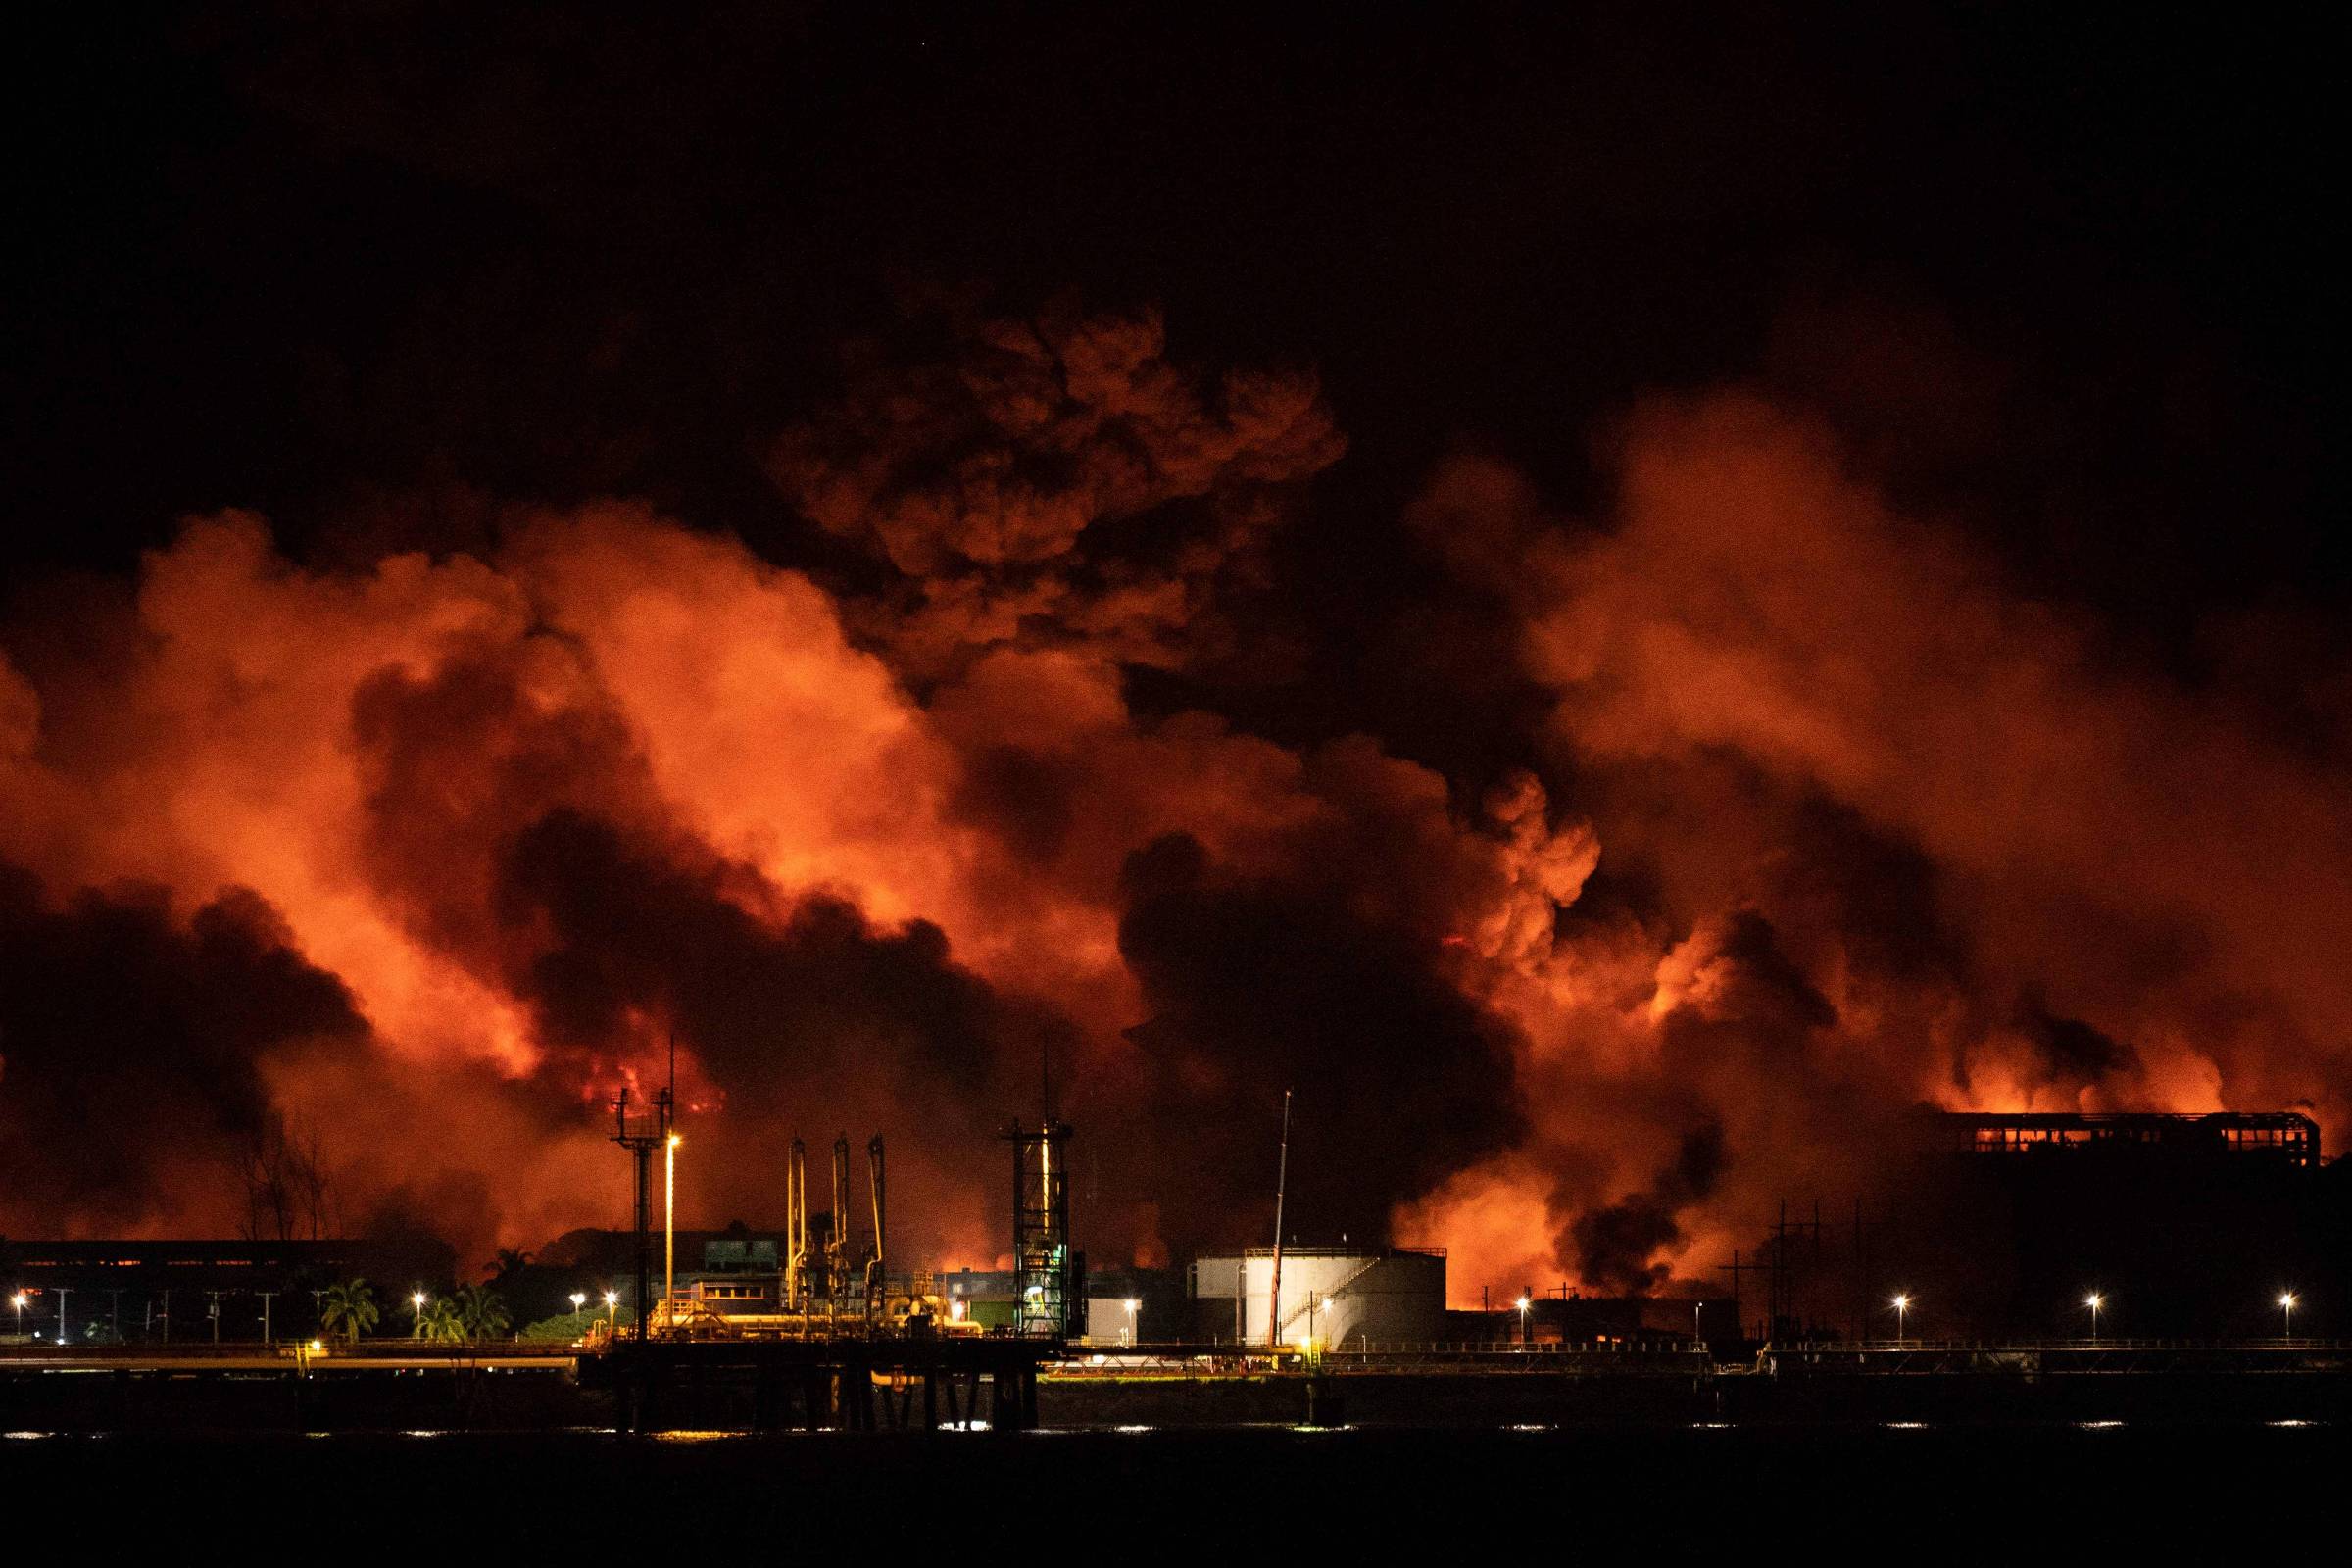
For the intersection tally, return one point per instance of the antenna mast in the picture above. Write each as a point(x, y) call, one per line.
point(1282, 1181)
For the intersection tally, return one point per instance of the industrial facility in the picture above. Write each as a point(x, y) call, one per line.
point(2182, 1224)
point(2287, 1138)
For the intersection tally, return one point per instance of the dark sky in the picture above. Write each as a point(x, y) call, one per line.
point(292, 257)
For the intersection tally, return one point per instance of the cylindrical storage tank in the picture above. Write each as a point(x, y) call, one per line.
point(1339, 1297)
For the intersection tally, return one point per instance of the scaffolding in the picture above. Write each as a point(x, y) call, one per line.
point(1041, 1263)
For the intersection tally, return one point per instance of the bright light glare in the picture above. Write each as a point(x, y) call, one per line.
point(612, 1297)
point(2094, 1302)
point(2288, 1300)
point(1902, 1302)
point(1522, 1304)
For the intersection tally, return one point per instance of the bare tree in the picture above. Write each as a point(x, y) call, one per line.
point(288, 1194)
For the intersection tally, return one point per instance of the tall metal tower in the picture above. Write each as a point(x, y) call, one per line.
point(641, 1135)
point(1041, 1228)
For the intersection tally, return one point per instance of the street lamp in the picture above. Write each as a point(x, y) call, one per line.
point(2094, 1300)
point(670, 1228)
point(611, 1315)
point(18, 1302)
point(1132, 1305)
point(2286, 1305)
point(1522, 1304)
point(580, 1298)
point(416, 1300)
point(1902, 1304)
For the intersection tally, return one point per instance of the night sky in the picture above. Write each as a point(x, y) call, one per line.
point(1589, 302)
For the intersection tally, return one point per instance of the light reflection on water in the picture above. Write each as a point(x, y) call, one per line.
point(716, 1435)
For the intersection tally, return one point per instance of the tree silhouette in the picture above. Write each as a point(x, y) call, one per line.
point(349, 1308)
point(441, 1321)
point(482, 1311)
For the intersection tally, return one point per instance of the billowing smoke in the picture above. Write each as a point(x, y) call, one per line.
point(130, 1041)
point(1875, 831)
point(387, 874)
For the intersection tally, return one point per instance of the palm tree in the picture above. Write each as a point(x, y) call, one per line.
point(482, 1311)
point(510, 1261)
point(349, 1309)
point(440, 1320)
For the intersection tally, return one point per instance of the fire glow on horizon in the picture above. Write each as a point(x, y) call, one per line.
point(422, 860)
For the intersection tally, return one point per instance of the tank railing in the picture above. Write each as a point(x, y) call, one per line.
point(1380, 1255)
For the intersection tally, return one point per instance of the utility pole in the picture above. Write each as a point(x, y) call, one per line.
point(265, 1296)
point(63, 1334)
point(1785, 1279)
point(1282, 1181)
point(1861, 1277)
point(1735, 1268)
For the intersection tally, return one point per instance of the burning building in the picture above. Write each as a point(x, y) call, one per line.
point(2183, 1225)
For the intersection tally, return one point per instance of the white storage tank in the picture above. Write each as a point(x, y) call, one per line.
point(1340, 1296)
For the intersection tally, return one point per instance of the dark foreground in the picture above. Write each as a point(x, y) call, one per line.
point(1896, 1493)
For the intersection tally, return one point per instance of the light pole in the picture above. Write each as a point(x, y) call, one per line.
point(18, 1300)
point(1132, 1305)
point(2286, 1305)
point(670, 1228)
point(1902, 1304)
point(416, 1300)
point(579, 1300)
point(1522, 1304)
point(2094, 1300)
point(1697, 1334)
point(611, 1315)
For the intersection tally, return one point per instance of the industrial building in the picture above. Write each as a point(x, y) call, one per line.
point(1334, 1296)
point(2287, 1138)
point(1133, 1306)
point(2183, 1225)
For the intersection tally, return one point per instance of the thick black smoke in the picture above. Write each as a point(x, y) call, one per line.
point(1613, 1244)
point(814, 996)
point(2072, 1052)
point(131, 1047)
point(1255, 986)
